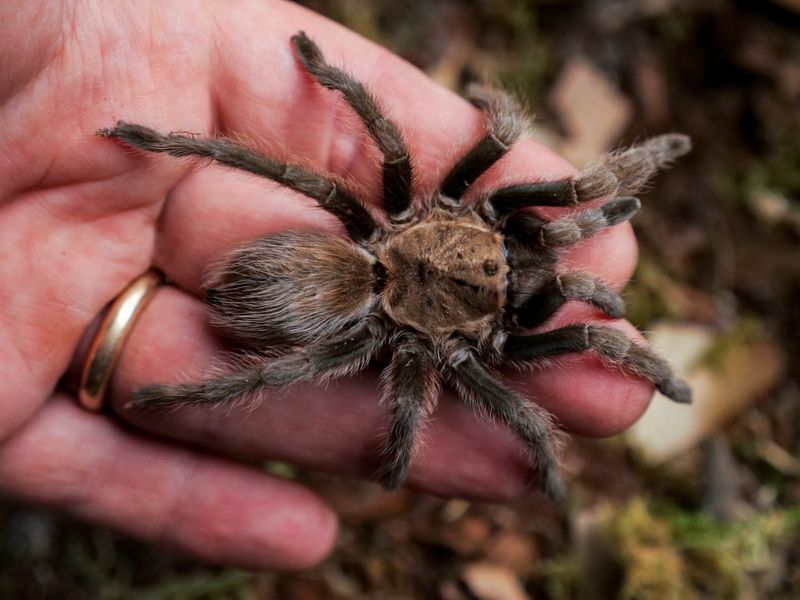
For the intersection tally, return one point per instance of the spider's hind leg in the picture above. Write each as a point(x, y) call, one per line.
point(329, 194)
point(397, 169)
point(413, 390)
point(348, 353)
point(532, 424)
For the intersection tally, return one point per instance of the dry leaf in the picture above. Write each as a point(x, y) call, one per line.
point(492, 582)
point(512, 549)
point(741, 371)
point(467, 536)
point(594, 112)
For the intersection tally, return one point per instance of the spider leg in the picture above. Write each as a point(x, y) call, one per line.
point(413, 386)
point(570, 229)
point(330, 195)
point(397, 169)
point(596, 182)
point(507, 122)
point(506, 200)
point(348, 353)
point(618, 173)
point(634, 167)
point(531, 423)
point(553, 294)
point(608, 343)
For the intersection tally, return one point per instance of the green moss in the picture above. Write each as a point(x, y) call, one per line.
point(527, 75)
point(224, 585)
point(653, 294)
point(561, 577)
point(518, 15)
point(777, 171)
point(281, 469)
point(665, 552)
point(674, 29)
point(95, 562)
point(359, 16)
point(644, 546)
point(523, 62)
point(743, 332)
point(726, 559)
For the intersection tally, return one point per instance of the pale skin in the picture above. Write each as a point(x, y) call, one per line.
point(81, 216)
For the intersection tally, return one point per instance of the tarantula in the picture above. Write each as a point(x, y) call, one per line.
point(449, 288)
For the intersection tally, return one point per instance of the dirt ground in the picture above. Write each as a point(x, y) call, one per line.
point(720, 255)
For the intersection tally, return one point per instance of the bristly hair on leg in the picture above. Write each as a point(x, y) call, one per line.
point(506, 123)
point(412, 389)
point(632, 169)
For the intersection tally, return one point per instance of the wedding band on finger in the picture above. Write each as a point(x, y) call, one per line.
point(109, 341)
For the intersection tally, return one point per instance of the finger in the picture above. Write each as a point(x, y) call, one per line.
point(220, 511)
point(610, 256)
point(45, 311)
point(212, 210)
point(289, 110)
point(339, 427)
point(288, 115)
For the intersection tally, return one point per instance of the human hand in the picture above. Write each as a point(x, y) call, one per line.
point(82, 217)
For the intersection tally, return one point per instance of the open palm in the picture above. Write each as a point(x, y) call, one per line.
point(81, 216)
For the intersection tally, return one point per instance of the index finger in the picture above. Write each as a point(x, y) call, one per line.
point(262, 95)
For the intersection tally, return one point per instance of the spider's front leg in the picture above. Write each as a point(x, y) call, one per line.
point(532, 424)
point(347, 353)
point(331, 195)
point(412, 387)
point(397, 169)
point(616, 174)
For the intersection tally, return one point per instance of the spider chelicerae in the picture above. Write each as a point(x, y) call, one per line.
point(449, 288)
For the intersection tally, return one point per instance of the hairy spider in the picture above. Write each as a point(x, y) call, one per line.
point(449, 288)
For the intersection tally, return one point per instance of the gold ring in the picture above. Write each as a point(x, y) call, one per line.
point(110, 338)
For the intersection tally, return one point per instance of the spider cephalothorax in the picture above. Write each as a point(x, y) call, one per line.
point(448, 288)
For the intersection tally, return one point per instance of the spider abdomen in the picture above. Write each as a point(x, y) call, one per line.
point(291, 287)
point(444, 275)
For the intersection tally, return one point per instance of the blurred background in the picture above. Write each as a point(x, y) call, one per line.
point(701, 502)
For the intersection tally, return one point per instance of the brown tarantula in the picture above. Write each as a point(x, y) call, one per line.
point(449, 288)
